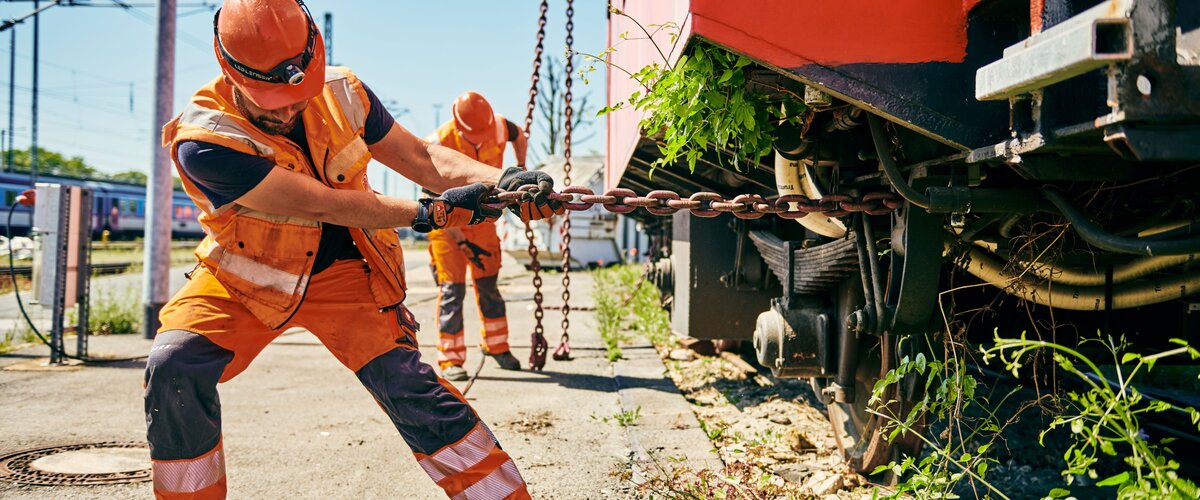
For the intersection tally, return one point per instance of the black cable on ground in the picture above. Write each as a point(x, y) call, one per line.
point(21, 305)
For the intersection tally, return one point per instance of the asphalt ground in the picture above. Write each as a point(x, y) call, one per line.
point(297, 424)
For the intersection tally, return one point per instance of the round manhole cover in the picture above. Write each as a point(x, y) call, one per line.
point(78, 464)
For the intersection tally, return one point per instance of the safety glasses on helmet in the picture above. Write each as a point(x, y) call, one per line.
point(290, 71)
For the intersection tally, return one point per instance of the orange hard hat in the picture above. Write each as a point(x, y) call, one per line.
point(270, 50)
point(474, 117)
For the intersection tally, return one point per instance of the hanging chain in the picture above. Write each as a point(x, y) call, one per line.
point(564, 345)
point(538, 345)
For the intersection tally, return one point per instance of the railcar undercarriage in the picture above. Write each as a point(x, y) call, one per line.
point(1080, 215)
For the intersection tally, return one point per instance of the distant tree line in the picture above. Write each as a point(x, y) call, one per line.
point(57, 164)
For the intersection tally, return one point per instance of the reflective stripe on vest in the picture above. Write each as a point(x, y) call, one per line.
point(258, 273)
point(501, 483)
point(214, 121)
point(190, 476)
point(339, 84)
point(459, 456)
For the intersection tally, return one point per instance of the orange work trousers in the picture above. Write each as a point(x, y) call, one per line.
point(476, 248)
point(209, 337)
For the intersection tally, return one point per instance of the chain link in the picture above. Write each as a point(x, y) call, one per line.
point(538, 345)
point(707, 204)
point(563, 352)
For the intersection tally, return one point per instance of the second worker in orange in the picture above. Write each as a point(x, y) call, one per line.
point(481, 134)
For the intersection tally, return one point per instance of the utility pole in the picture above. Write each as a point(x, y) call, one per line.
point(329, 39)
point(12, 102)
point(156, 282)
point(33, 149)
point(437, 116)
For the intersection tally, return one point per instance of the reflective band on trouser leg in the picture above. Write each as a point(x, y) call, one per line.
point(452, 350)
point(183, 415)
point(492, 313)
point(198, 478)
point(448, 440)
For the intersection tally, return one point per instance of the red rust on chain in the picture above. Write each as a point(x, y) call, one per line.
point(687, 204)
point(707, 204)
point(563, 352)
point(662, 206)
point(619, 196)
point(749, 201)
point(641, 202)
point(729, 206)
point(705, 200)
point(570, 204)
point(538, 345)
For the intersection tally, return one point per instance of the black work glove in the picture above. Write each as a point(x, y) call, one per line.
point(462, 206)
point(541, 206)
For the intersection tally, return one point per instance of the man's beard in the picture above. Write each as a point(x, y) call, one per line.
point(269, 126)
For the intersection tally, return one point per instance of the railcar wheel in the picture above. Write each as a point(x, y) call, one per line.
point(862, 435)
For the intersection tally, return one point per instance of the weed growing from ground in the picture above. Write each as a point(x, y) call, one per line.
point(115, 311)
point(1105, 419)
point(624, 418)
point(626, 303)
point(18, 335)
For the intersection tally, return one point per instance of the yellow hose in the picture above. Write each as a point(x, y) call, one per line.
point(1122, 273)
point(1083, 298)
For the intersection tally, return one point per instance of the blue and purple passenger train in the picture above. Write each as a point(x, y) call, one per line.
point(119, 208)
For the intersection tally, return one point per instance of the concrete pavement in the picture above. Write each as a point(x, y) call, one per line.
point(298, 424)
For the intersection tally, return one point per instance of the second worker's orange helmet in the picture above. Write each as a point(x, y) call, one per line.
point(271, 50)
point(474, 117)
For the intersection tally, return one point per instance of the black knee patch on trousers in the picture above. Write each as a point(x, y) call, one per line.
point(491, 304)
point(425, 412)
point(183, 412)
point(450, 320)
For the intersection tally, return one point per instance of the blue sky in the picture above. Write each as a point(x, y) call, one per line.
point(97, 66)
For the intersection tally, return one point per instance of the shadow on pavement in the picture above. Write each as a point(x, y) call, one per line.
point(588, 382)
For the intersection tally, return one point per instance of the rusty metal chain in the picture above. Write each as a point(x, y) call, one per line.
point(707, 204)
point(563, 352)
point(538, 345)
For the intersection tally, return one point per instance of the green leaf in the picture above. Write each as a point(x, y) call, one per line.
point(1116, 480)
point(1129, 356)
point(981, 469)
point(1058, 493)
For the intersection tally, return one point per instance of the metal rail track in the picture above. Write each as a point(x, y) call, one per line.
point(27, 271)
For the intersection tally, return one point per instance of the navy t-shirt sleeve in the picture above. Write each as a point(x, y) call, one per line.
point(221, 173)
point(379, 121)
point(225, 174)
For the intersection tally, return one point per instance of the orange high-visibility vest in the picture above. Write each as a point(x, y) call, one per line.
point(265, 260)
point(490, 152)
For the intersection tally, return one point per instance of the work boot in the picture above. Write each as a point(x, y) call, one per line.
point(506, 361)
point(455, 373)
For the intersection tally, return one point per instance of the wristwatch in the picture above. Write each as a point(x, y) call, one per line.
point(422, 223)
